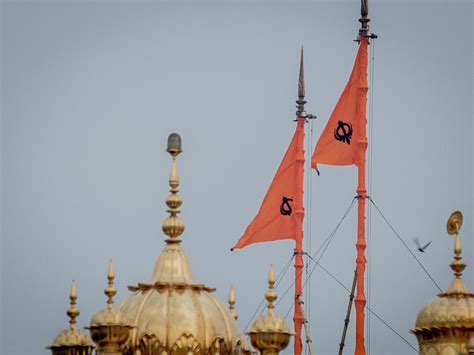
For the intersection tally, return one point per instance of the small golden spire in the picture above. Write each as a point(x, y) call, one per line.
point(232, 303)
point(72, 340)
point(173, 226)
point(270, 333)
point(271, 295)
point(110, 291)
point(73, 311)
point(453, 227)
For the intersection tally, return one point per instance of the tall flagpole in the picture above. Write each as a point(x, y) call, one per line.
point(361, 261)
point(300, 119)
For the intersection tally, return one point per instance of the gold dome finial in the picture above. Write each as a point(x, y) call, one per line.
point(110, 291)
point(271, 295)
point(232, 303)
point(457, 286)
point(73, 311)
point(270, 333)
point(72, 340)
point(173, 226)
point(109, 328)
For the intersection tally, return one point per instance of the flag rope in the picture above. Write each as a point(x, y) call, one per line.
point(405, 244)
point(279, 278)
point(369, 181)
point(368, 308)
point(325, 244)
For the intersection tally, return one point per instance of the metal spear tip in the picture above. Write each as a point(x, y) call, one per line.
point(174, 144)
point(301, 89)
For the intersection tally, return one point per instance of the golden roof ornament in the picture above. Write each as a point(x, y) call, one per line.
point(72, 341)
point(109, 328)
point(232, 303)
point(171, 312)
point(270, 333)
point(449, 318)
point(173, 226)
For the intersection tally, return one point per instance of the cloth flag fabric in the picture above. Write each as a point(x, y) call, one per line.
point(338, 144)
point(279, 216)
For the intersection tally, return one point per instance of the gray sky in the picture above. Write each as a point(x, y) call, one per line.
point(91, 90)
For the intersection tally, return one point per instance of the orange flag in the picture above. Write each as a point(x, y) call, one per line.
point(281, 212)
point(338, 144)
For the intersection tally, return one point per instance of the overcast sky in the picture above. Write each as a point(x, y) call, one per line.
point(91, 90)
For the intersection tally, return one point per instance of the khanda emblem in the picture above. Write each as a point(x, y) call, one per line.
point(343, 132)
point(285, 207)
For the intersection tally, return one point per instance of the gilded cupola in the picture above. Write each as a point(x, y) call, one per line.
point(72, 341)
point(270, 333)
point(171, 312)
point(445, 326)
point(109, 327)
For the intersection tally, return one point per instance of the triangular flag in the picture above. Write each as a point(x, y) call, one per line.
point(338, 144)
point(281, 212)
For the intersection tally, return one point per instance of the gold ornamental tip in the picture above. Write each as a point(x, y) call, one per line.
point(109, 315)
point(270, 333)
point(232, 303)
point(173, 226)
point(109, 328)
point(457, 286)
point(73, 311)
point(72, 337)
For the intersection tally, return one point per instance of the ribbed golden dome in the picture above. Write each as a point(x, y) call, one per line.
point(172, 312)
point(110, 315)
point(450, 316)
point(72, 337)
point(270, 333)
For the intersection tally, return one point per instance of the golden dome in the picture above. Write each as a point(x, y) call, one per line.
point(109, 328)
point(72, 337)
point(109, 315)
point(172, 312)
point(452, 313)
point(270, 333)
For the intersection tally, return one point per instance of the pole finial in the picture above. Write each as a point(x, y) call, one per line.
point(300, 113)
point(364, 19)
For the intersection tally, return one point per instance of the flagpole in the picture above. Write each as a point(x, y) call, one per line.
point(299, 264)
point(361, 261)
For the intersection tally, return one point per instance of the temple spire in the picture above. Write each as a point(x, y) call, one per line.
point(232, 303)
point(73, 311)
point(173, 226)
point(453, 227)
point(110, 291)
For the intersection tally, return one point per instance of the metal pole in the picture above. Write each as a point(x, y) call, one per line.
point(348, 314)
point(309, 341)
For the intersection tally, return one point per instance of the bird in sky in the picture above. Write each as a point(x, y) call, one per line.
point(421, 248)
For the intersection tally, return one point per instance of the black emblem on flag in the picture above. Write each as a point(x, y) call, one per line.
point(285, 207)
point(343, 132)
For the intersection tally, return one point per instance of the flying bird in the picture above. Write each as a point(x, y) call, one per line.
point(418, 245)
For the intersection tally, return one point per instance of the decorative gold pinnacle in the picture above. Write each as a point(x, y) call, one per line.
point(270, 333)
point(73, 311)
point(110, 291)
point(173, 226)
point(271, 295)
point(232, 303)
point(72, 340)
point(453, 227)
